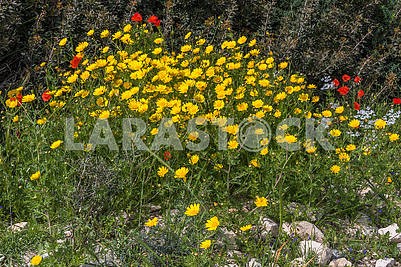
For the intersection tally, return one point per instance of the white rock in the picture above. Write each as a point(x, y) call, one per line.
point(174, 212)
point(234, 253)
point(18, 226)
point(268, 226)
point(341, 262)
point(286, 228)
point(399, 246)
point(155, 208)
point(230, 237)
point(365, 191)
point(253, 263)
point(2, 258)
point(308, 230)
point(366, 261)
point(392, 230)
point(309, 246)
point(387, 262)
point(228, 233)
point(370, 230)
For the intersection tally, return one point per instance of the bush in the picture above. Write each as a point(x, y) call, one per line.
point(131, 73)
point(71, 158)
point(320, 37)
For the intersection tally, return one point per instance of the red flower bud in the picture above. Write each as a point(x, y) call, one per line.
point(19, 98)
point(396, 101)
point(343, 90)
point(46, 96)
point(346, 78)
point(136, 17)
point(167, 155)
point(154, 20)
point(75, 62)
point(360, 93)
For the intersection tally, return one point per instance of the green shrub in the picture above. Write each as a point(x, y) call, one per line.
point(320, 37)
point(140, 197)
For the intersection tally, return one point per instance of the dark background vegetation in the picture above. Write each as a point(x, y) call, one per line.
point(320, 37)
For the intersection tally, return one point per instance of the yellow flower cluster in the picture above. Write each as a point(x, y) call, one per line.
point(135, 75)
point(211, 224)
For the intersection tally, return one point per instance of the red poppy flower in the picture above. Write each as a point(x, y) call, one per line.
point(343, 90)
point(167, 155)
point(336, 82)
point(396, 101)
point(19, 98)
point(136, 17)
point(154, 20)
point(46, 96)
point(346, 78)
point(357, 106)
point(360, 93)
point(75, 62)
point(357, 79)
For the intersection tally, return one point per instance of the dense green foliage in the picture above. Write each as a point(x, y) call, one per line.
point(210, 60)
point(321, 37)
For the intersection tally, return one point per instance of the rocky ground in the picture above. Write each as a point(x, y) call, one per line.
point(312, 241)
